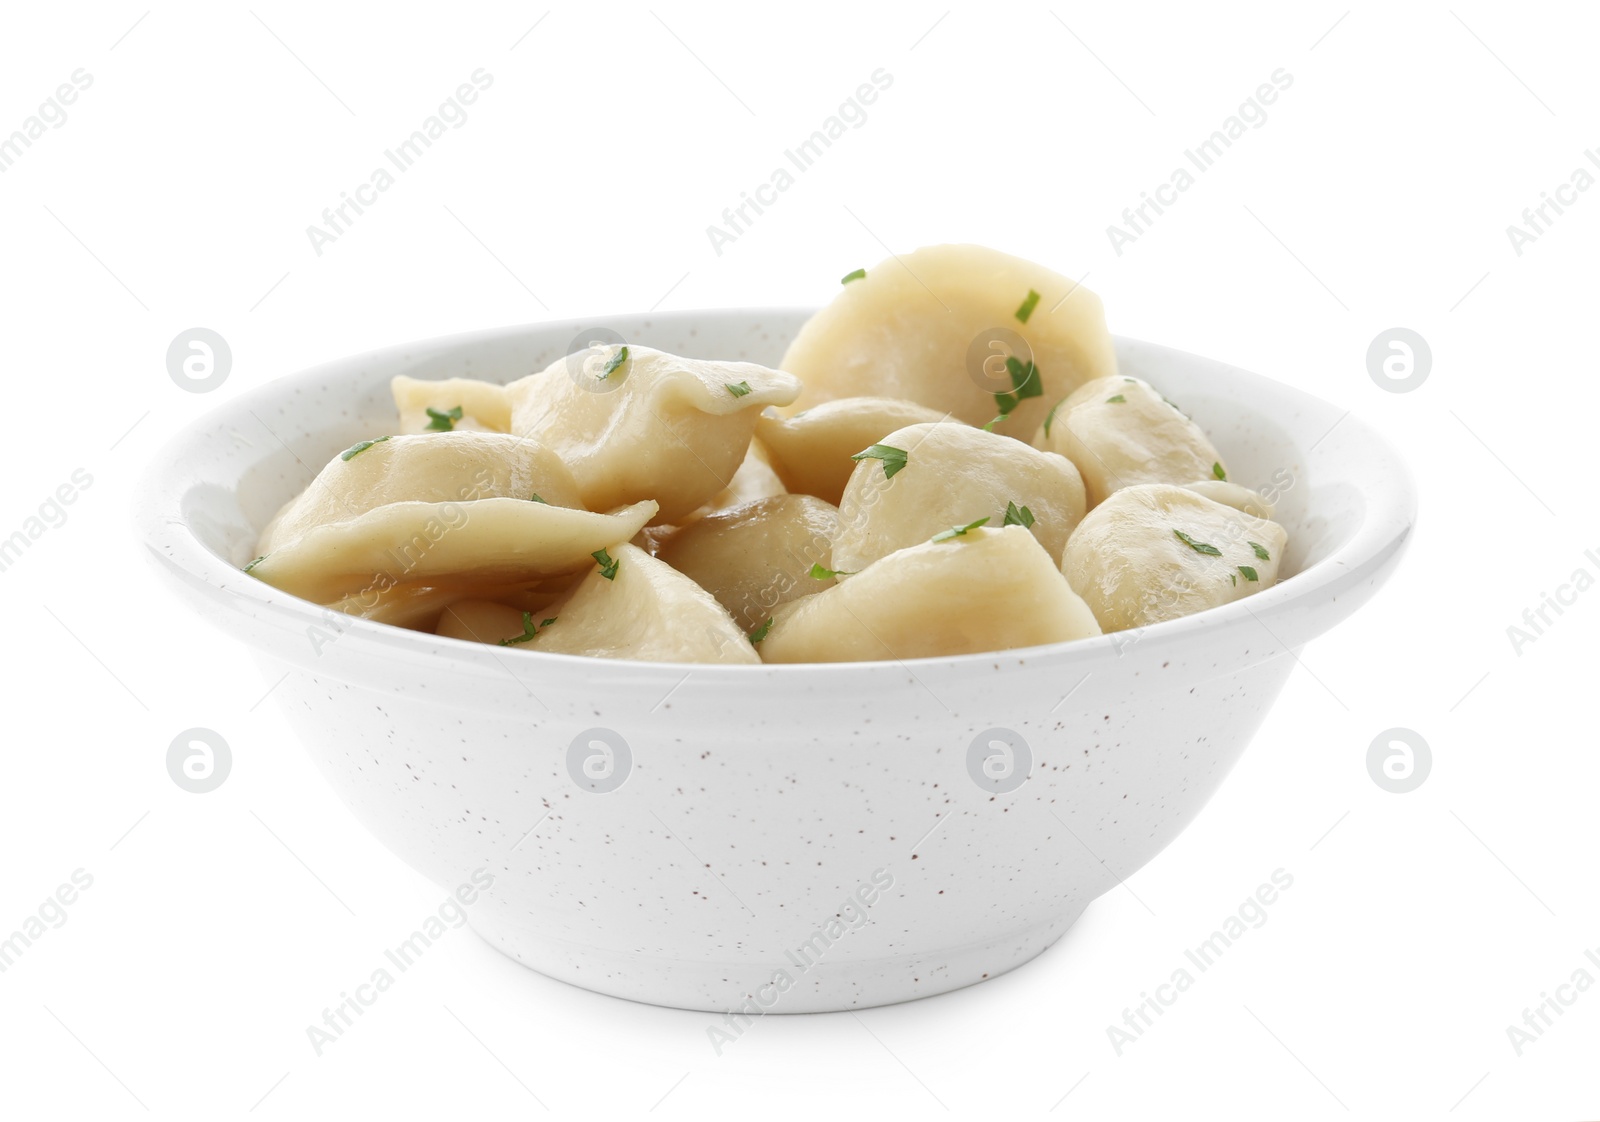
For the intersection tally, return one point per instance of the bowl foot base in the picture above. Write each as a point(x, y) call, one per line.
point(745, 990)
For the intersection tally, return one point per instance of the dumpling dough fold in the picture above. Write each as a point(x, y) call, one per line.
point(985, 590)
point(647, 425)
point(645, 610)
point(1156, 552)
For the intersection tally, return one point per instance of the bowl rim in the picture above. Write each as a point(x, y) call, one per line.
point(171, 544)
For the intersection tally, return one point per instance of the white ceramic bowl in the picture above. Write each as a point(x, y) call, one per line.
point(784, 838)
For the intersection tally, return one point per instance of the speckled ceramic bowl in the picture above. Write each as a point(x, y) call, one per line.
point(785, 838)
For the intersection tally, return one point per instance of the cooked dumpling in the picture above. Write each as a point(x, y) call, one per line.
point(756, 556)
point(754, 480)
point(634, 423)
point(1231, 494)
point(1156, 552)
point(488, 621)
point(435, 468)
point(482, 541)
point(950, 475)
point(1121, 432)
point(811, 451)
point(458, 404)
point(442, 508)
point(633, 606)
point(418, 604)
point(981, 590)
point(935, 326)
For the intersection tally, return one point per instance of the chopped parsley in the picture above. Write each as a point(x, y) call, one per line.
point(355, 450)
point(1028, 304)
point(528, 630)
point(534, 498)
point(256, 562)
point(1198, 547)
point(1233, 579)
point(818, 572)
point(958, 531)
point(443, 422)
point(893, 458)
point(1051, 416)
point(760, 633)
point(608, 564)
point(1261, 550)
point(1249, 573)
point(1116, 399)
point(739, 389)
point(846, 279)
point(614, 362)
point(1216, 470)
point(1025, 383)
point(1017, 515)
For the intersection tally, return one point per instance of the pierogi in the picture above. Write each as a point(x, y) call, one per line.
point(947, 463)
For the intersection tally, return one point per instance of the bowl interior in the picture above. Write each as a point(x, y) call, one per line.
point(273, 443)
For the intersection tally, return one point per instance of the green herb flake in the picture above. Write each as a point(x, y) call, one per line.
point(608, 565)
point(893, 458)
point(1198, 547)
point(534, 498)
point(739, 389)
point(528, 630)
point(846, 279)
point(1216, 470)
point(256, 562)
point(1116, 399)
point(1233, 579)
point(355, 450)
point(613, 363)
point(1249, 573)
point(1049, 418)
point(1025, 383)
point(958, 531)
point(760, 633)
point(1018, 516)
point(990, 426)
point(1261, 550)
point(819, 572)
point(443, 422)
point(1028, 304)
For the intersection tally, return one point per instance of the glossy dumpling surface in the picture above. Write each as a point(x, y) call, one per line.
point(951, 475)
point(634, 423)
point(1121, 432)
point(811, 451)
point(644, 610)
point(757, 556)
point(986, 590)
point(482, 406)
point(452, 467)
point(1156, 552)
point(936, 326)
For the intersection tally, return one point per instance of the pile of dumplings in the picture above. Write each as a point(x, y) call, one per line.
point(947, 463)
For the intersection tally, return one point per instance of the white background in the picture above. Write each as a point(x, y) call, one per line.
point(1377, 194)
